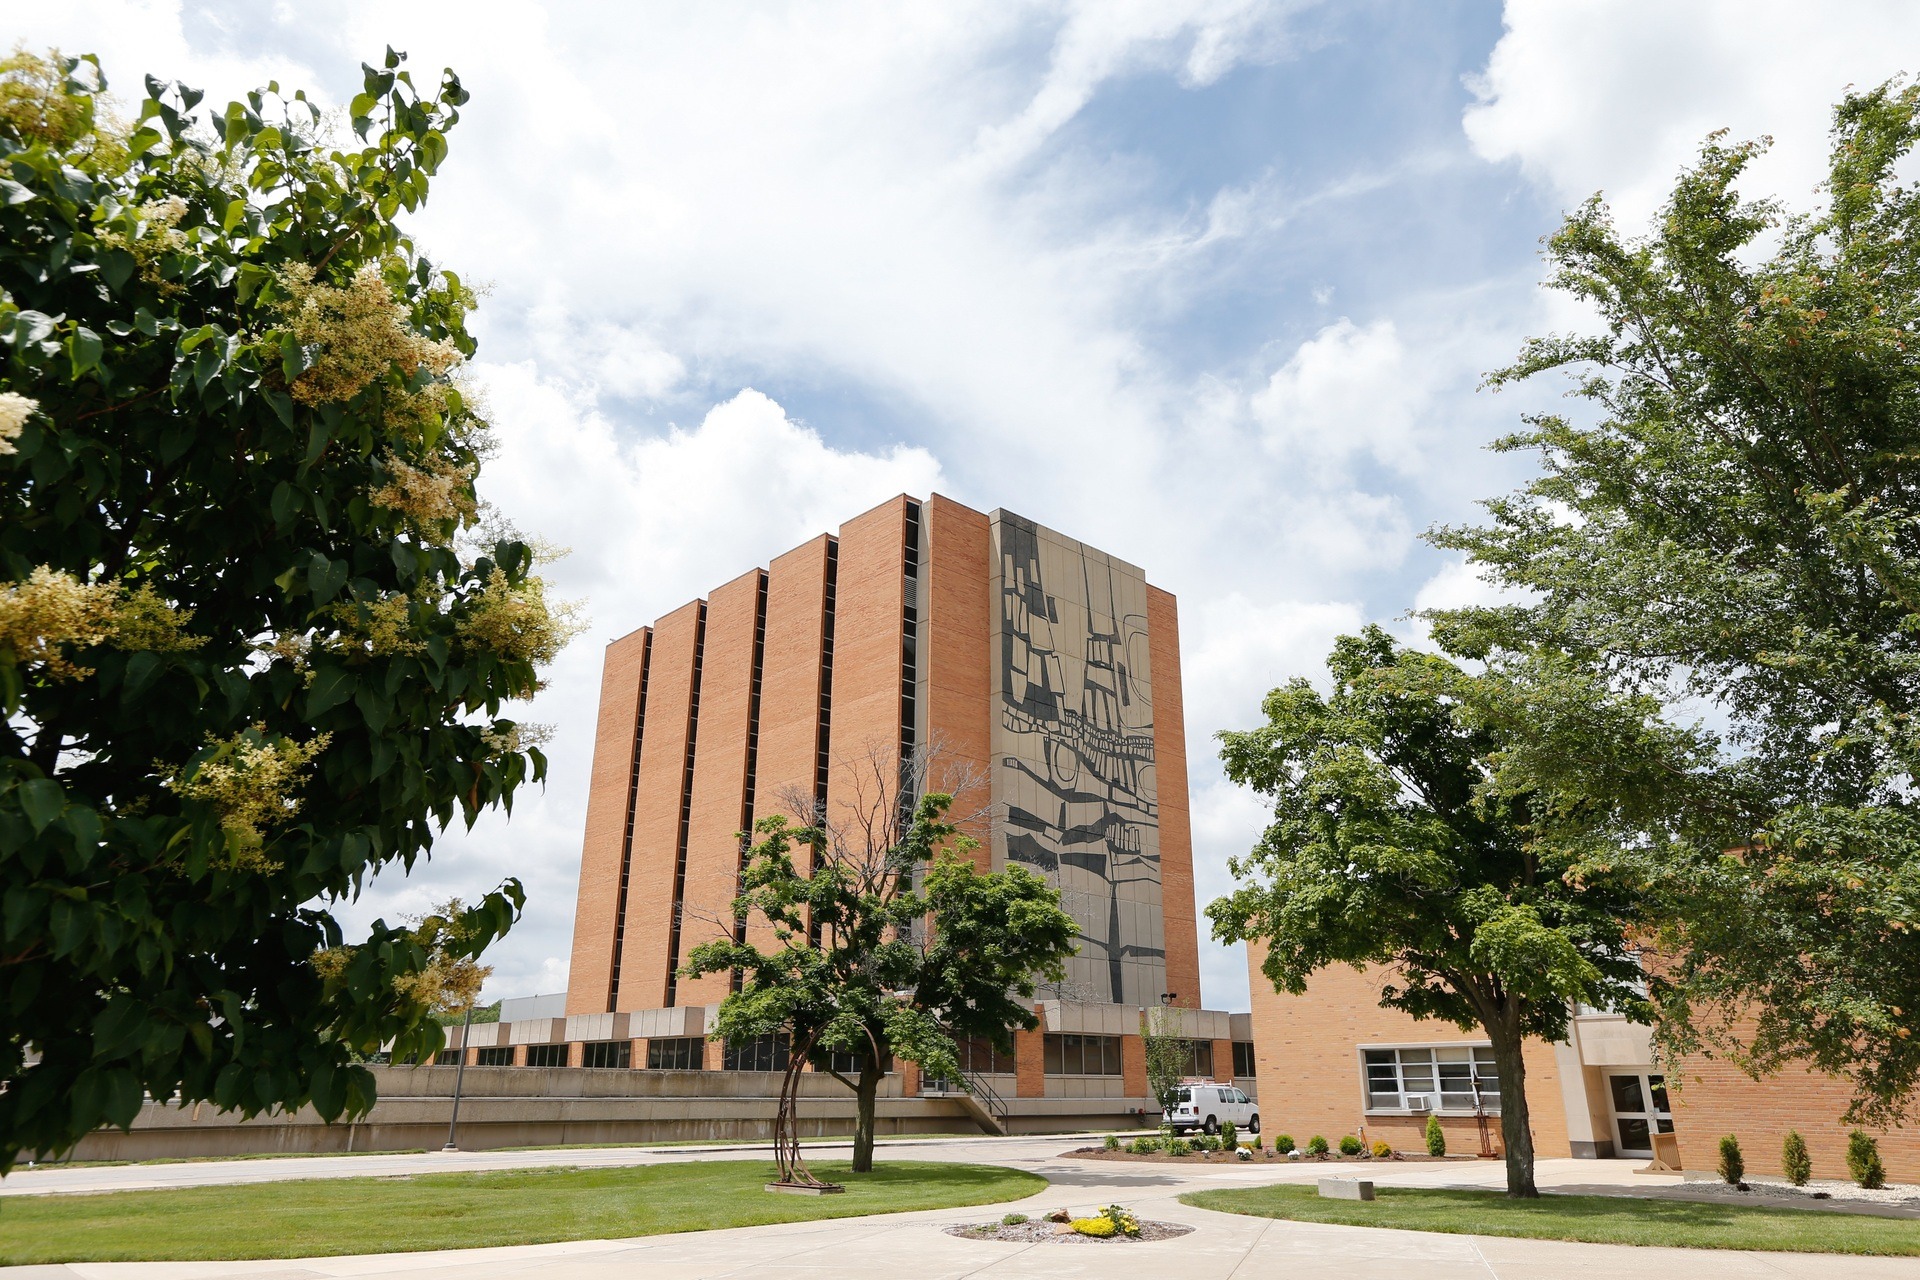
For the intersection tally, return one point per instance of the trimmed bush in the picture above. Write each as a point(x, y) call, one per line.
point(1436, 1137)
point(1317, 1146)
point(1179, 1147)
point(1283, 1143)
point(1255, 1144)
point(1113, 1142)
point(1733, 1167)
point(1794, 1161)
point(1863, 1161)
point(1350, 1146)
point(1382, 1149)
point(1229, 1138)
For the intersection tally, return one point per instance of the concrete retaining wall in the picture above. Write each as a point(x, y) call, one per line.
point(526, 1107)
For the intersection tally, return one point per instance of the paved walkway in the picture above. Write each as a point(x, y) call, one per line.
point(1225, 1246)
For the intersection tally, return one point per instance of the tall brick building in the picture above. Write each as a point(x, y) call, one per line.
point(1045, 672)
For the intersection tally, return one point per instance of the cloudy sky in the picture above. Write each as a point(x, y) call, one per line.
point(1207, 283)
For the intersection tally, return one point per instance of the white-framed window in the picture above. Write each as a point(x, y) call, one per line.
point(1445, 1078)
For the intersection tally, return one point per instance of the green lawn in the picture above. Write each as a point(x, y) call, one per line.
point(1596, 1219)
point(466, 1210)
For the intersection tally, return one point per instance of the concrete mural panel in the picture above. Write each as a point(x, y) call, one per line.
point(1073, 753)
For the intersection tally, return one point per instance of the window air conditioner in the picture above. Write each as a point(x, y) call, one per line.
point(1419, 1102)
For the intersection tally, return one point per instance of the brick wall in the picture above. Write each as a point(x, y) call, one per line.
point(593, 919)
point(1715, 1098)
point(866, 661)
point(1306, 1052)
point(1179, 929)
point(656, 820)
point(954, 628)
point(719, 780)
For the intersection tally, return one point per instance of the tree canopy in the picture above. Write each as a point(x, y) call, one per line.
point(1392, 845)
point(889, 943)
point(1732, 524)
point(255, 643)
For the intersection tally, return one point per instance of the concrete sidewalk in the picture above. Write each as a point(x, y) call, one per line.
point(1223, 1247)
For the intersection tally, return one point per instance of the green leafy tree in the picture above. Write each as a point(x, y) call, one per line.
point(1391, 846)
point(253, 647)
point(1166, 1052)
point(1735, 521)
point(889, 944)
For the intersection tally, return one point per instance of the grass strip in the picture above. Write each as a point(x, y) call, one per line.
point(1591, 1219)
point(321, 1217)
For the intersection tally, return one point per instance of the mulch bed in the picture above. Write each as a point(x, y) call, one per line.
point(1040, 1231)
point(1259, 1157)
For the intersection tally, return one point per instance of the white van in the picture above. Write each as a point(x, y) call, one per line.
point(1208, 1106)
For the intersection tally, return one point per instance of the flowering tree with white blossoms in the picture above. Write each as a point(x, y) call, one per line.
point(254, 642)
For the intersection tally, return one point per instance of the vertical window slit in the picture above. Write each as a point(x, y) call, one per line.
point(686, 808)
point(626, 839)
point(753, 757)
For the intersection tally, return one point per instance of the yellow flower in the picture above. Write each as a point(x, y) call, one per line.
point(249, 781)
point(50, 611)
point(358, 332)
point(429, 494)
point(517, 623)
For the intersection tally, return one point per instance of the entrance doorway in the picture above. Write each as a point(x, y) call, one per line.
point(1640, 1110)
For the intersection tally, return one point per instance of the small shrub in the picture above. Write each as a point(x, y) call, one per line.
point(1179, 1147)
point(1382, 1149)
point(1113, 1142)
point(1794, 1161)
point(1283, 1143)
point(1101, 1227)
point(1733, 1167)
point(1436, 1137)
point(1013, 1220)
point(1317, 1147)
point(1350, 1146)
point(1229, 1138)
point(1122, 1219)
point(1863, 1161)
point(1255, 1144)
point(1143, 1146)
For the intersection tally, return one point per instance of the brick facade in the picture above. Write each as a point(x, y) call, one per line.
point(1715, 1098)
point(1307, 1060)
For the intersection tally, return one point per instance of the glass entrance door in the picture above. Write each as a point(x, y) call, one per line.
point(1640, 1110)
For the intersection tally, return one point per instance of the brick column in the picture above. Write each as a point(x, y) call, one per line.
point(576, 1053)
point(716, 1055)
point(1223, 1060)
point(909, 1078)
point(1030, 1064)
point(639, 1052)
point(1133, 1066)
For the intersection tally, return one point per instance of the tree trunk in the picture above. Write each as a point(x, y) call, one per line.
point(865, 1097)
point(1515, 1130)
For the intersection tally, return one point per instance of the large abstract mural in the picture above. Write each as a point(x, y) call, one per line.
point(1073, 750)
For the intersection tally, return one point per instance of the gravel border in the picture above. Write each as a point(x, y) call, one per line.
point(1899, 1196)
point(1041, 1231)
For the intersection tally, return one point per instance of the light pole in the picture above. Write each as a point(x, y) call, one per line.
point(459, 1077)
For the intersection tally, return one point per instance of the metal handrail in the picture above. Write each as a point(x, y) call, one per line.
point(990, 1098)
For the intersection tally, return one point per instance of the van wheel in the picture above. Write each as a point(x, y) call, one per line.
point(1213, 1125)
point(1253, 1125)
